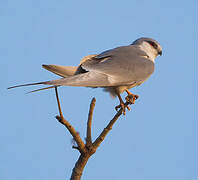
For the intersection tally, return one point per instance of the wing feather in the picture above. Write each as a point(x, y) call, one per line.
point(124, 64)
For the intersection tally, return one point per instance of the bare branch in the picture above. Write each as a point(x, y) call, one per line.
point(59, 106)
point(89, 122)
point(75, 147)
point(73, 132)
point(88, 149)
point(106, 130)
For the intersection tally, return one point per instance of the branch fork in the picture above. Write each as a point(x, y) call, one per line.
point(88, 147)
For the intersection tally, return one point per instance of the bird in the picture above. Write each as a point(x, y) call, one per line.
point(116, 70)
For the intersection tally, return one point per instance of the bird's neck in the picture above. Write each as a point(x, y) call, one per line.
point(149, 51)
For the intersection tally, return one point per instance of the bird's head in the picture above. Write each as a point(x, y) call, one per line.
point(150, 46)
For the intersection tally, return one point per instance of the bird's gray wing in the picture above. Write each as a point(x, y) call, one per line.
point(120, 66)
point(72, 77)
point(122, 49)
point(123, 65)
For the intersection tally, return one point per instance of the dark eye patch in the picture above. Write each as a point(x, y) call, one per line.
point(152, 44)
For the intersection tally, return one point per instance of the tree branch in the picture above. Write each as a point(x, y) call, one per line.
point(106, 130)
point(89, 122)
point(79, 167)
point(88, 149)
point(73, 132)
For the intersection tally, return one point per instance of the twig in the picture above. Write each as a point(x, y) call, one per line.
point(89, 123)
point(106, 130)
point(59, 106)
point(73, 132)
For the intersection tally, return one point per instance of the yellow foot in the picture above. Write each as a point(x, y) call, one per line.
point(131, 98)
point(123, 107)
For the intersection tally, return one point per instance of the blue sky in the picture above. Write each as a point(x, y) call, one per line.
point(156, 140)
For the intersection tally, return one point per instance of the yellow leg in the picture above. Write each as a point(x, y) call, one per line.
point(122, 105)
point(131, 97)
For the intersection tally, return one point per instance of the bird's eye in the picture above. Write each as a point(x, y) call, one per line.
point(152, 44)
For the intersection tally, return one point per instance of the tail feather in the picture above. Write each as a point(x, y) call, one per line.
point(30, 84)
point(63, 71)
point(89, 79)
point(41, 89)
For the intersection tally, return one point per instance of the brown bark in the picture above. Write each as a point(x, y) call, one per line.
point(79, 167)
point(88, 148)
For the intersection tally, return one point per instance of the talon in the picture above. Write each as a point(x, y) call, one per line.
point(123, 107)
point(131, 98)
point(136, 96)
point(117, 107)
point(124, 112)
point(128, 108)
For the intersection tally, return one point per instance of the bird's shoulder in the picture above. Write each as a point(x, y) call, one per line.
point(117, 54)
point(118, 61)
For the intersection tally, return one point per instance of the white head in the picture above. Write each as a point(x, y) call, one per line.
point(150, 46)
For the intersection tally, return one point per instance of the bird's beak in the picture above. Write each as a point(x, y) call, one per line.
point(160, 53)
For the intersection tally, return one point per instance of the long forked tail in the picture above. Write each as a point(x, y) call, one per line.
point(41, 89)
point(36, 90)
point(89, 79)
point(30, 84)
